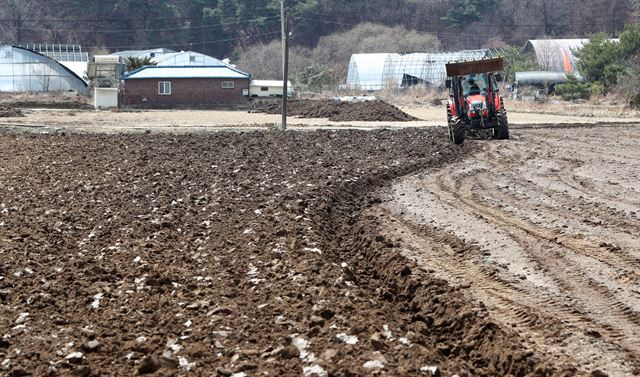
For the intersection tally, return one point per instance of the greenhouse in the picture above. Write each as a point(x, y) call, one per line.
point(23, 70)
point(186, 58)
point(381, 71)
point(164, 57)
point(366, 71)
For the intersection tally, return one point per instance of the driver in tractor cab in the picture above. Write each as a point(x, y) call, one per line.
point(476, 101)
point(474, 89)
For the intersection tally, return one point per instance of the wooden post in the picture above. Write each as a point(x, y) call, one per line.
point(285, 63)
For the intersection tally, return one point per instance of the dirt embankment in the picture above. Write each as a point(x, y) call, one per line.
point(44, 101)
point(7, 112)
point(368, 111)
point(226, 253)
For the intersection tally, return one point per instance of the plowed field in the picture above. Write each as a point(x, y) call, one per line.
point(229, 254)
point(320, 253)
point(544, 230)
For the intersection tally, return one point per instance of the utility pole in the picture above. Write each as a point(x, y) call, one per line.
point(285, 62)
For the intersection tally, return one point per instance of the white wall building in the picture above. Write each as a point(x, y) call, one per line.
point(269, 88)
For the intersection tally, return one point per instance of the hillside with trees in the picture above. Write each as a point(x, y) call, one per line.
point(223, 28)
point(326, 32)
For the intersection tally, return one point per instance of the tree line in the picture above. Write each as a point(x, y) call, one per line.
point(223, 28)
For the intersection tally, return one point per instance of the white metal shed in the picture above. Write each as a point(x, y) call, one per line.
point(269, 88)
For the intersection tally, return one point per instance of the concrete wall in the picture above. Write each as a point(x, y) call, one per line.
point(105, 98)
point(185, 93)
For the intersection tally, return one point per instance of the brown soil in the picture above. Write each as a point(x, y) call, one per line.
point(369, 111)
point(7, 112)
point(544, 231)
point(227, 253)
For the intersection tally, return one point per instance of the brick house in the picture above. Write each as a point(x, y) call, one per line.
point(171, 87)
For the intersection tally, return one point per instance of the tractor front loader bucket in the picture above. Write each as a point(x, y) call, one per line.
point(477, 66)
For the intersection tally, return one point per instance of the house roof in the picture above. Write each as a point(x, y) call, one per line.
point(187, 72)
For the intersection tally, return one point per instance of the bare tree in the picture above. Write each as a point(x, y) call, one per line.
point(328, 62)
point(548, 55)
point(44, 74)
point(263, 61)
point(18, 13)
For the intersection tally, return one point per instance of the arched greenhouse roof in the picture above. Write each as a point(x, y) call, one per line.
point(366, 71)
point(23, 70)
point(186, 58)
point(557, 54)
point(378, 71)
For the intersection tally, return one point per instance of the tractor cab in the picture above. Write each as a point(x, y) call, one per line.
point(475, 105)
point(475, 89)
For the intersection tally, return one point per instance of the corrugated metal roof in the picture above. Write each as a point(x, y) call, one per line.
point(187, 72)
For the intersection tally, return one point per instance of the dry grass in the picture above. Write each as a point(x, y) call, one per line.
point(596, 107)
point(45, 100)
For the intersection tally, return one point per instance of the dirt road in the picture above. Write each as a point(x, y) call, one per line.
point(190, 121)
point(544, 231)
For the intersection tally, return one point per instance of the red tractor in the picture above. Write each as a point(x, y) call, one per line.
point(475, 105)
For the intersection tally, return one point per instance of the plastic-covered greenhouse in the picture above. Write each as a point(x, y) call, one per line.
point(165, 57)
point(185, 58)
point(23, 70)
point(381, 71)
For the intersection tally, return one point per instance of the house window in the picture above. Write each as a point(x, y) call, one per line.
point(264, 89)
point(228, 85)
point(164, 88)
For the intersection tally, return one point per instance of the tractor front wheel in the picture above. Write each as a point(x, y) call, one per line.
point(501, 131)
point(456, 130)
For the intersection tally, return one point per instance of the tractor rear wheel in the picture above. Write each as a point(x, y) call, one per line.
point(456, 130)
point(501, 131)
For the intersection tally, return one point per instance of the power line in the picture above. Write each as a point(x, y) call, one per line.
point(189, 43)
point(88, 20)
point(148, 30)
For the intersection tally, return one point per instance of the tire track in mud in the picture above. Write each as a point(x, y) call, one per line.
point(609, 225)
point(514, 305)
point(537, 261)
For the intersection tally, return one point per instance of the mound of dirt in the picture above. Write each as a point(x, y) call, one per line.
point(248, 253)
point(7, 112)
point(369, 111)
